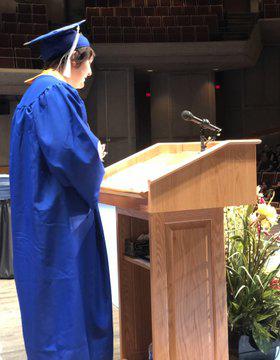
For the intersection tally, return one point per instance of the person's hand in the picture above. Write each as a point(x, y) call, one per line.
point(101, 150)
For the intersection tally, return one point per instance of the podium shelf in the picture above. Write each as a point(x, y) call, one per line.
point(139, 262)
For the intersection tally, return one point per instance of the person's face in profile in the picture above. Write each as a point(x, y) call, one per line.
point(80, 73)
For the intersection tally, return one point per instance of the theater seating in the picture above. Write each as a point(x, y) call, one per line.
point(29, 21)
point(270, 8)
point(154, 20)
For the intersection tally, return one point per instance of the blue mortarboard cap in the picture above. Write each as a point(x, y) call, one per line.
point(59, 41)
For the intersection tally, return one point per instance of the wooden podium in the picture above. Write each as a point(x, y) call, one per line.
point(177, 194)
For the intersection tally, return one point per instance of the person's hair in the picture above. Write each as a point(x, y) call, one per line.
point(79, 56)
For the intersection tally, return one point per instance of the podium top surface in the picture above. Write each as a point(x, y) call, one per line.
point(175, 176)
point(136, 172)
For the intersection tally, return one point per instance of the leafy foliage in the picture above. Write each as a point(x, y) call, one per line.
point(253, 291)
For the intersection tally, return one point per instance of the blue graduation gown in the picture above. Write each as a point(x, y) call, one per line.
point(60, 259)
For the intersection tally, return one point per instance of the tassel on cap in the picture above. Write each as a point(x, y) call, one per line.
point(67, 68)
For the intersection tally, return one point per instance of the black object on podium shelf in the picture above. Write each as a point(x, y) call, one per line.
point(6, 249)
point(138, 247)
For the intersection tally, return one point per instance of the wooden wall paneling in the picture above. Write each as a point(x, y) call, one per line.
point(271, 66)
point(160, 107)
point(115, 114)
point(100, 104)
point(192, 92)
point(252, 97)
point(254, 81)
point(135, 295)
point(175, 92)
point(188, 284)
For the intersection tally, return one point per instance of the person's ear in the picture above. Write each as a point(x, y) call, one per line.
point(74, 64)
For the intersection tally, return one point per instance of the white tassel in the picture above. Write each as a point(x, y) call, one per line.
point(67, 68)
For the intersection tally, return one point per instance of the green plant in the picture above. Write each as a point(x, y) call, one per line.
point(253, 286)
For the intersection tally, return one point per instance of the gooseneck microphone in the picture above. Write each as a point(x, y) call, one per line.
point(205, 123)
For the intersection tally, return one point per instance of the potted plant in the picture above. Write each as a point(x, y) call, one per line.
point(252, 270)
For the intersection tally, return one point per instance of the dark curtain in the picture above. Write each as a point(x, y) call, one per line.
point(6, 250)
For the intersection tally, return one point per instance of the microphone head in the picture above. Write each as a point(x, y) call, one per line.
point(186, 115)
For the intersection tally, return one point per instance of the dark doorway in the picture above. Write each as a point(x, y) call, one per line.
point(142, 109)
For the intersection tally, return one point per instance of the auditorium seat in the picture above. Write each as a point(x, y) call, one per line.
point(212, 22)
point(18, 40)
point(39, 9)
point(164, 2)
point(113, 3)
point(271, 10)
point(24, 28)
point(159, 34)
point(154, 21)
point(23, 58)
point(6, 52)
point(168, 21)
point(188, 33)
point(139, 3)
point(115, 34)
point(97, 21)
point(137, 11)
point(197, 20)
point(23, 8)
point(99, 34)
point(182, 20)
point(217, 9)
point(9, 17)
point(189, 10)
point(203, 10)
point(101, 3)
point(178, 10)
point(149, 11)
point(140, 21)
point(9, 27)
point(24, 18)
point(152, 3)
point(39, 18)
point(145, 34)
point(5, 40)
point(162, 11)
point(91, 11)
point(7, 62)
point(127, 3)
point(177, 2)
point(127, 21)
point(202, 33)
point(109, 11)
point(129, 34)
point(112, 21)
point(39, 29)
point(174, 34)
point(122, 11)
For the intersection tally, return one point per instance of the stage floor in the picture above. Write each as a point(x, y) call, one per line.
point(11, 340)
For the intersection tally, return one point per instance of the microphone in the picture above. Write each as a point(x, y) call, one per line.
point(205, 123)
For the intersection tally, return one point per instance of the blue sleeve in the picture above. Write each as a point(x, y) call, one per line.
point(68, 145)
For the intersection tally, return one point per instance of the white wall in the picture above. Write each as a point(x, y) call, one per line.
point(108, 217)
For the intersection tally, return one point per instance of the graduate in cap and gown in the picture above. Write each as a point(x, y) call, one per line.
point(60, 260)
